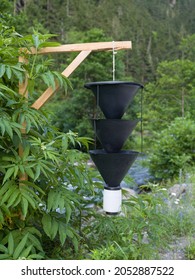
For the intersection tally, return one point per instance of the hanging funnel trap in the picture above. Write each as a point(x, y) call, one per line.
point(113, 97)
point(113, 133)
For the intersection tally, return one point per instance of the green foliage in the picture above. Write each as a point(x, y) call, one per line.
point(190, 251)
point(148, 224)
point(187, 47)
point(174, 149)
point(136, 234)
point(21, 245)
point(172, 94)
point(44, 204)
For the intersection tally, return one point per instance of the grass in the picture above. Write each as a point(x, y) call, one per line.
point(148, 224)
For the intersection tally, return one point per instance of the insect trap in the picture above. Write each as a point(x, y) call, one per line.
point(113, 163)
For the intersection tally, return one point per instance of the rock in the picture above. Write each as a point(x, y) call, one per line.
point(90, 163)
point(176, 250)
point(177, 190)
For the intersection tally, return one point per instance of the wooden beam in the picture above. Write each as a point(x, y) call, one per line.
point(96, 46)
point(50, 91)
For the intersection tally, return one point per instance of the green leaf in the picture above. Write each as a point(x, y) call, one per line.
point(10, 244)
point(8, 72)
point(68, 213)
point(69, 233)
point(37, 172)
point(29, 172)
point(13, 197)
point(16, 171)
point(31, 201)
point(4, 257)
point(1, 218)
point(5, 188)
point(2, 127)
point(51, 79)
point(2, 70)
point(20, 247)
point(51, 199)
point(18, 74)
point(49, 44)
point(26, 152)
point(8, 128)
point(24, 203)
point(21, 167)
point(7, 194)
point(34, 186)
point(36, 41)
point(75, 243)
point(7, 89)
point(18, 68)
point(62, 233)
point(45, 79)
point(61, 203)
point(47, 224)
point(35, 257)
point(59, 78)
point(8, 174)
point(36, 243)
point(54, 228)
point(3, 249)
point(25, 253)
point(64, 143)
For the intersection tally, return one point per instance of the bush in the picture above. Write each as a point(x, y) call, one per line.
point(42, 179)
point(174, 149)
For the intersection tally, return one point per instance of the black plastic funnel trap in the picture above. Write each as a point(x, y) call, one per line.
point(112, 133)
point(113, 97)
point(113, 166)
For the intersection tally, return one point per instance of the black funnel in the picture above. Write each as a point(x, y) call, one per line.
point(112, 134)
point(113, 97)
point(113, 166)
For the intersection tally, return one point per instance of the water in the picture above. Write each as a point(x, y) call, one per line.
point(140, 172)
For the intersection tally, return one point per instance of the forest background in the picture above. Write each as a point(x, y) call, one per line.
point(43, 215)
point(162, 57)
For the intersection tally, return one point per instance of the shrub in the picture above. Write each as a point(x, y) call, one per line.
point(174, 149)
point(43, 206)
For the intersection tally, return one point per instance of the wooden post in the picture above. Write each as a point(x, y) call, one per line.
point(23, 91)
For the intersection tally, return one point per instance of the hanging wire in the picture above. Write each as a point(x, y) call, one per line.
point(141, 129)
point(113, 60)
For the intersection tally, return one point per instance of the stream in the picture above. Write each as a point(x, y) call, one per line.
point(139, 172)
